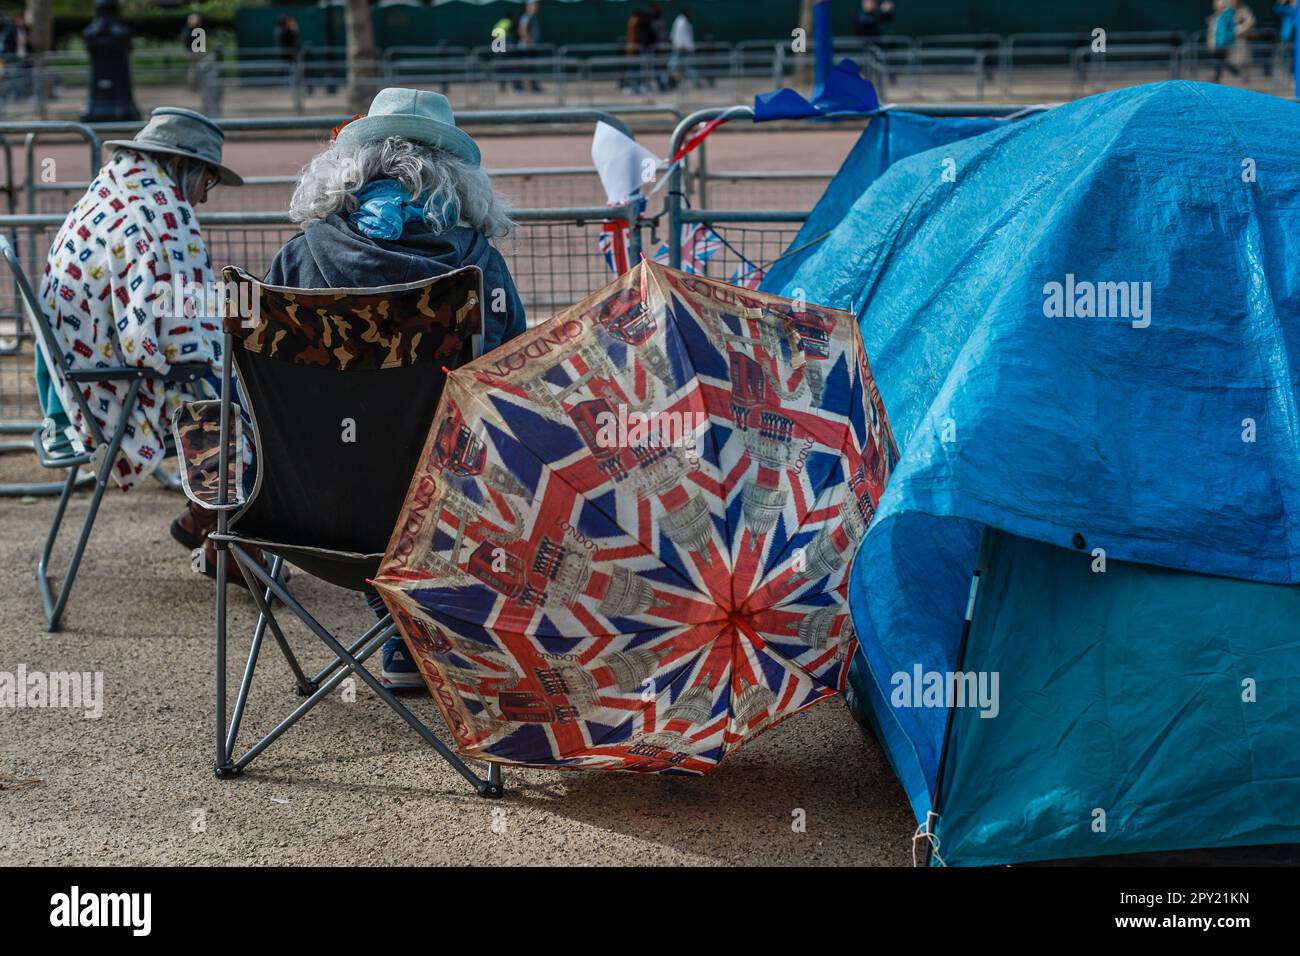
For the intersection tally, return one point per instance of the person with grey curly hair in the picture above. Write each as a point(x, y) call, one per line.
point(399, 196)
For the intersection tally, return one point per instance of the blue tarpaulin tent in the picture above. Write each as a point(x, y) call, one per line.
point(889, 137)
point(1088, 339)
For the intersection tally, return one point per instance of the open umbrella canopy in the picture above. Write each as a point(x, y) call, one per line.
point(627, 543)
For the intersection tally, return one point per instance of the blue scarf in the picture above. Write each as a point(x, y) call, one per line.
point(385, 209)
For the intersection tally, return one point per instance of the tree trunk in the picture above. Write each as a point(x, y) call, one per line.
point(361, 86)
point(40, 25)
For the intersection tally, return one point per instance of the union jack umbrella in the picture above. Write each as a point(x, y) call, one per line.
point(627, 545)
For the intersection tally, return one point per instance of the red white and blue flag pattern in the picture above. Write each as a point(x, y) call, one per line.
point(582, 585)
point(131, 234)
point(701, 244)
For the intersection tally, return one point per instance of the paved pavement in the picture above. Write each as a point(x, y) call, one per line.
point(350, 784)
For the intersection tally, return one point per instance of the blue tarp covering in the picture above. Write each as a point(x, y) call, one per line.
point(888, 138)
point(841, 91)
point(1086, 336)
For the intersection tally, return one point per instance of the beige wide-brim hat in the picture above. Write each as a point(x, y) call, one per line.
point(180, 132)
point(418, 115)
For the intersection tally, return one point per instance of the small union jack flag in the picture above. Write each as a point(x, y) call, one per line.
point(700, 243)
point(615, 246)
point(747, 275)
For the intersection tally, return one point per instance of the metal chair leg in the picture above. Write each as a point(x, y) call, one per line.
point(55, 604)
point(482, 787)
point(223, 768)
point(42, 566)
point(302, 682)
point(321, 692)
point(264, 618)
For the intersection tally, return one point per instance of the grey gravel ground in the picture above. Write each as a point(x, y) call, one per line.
point(350, 784)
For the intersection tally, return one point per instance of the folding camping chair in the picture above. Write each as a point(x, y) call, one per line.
point(67, 451)
point(341, 386)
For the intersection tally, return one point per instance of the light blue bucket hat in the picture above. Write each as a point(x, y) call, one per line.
point(418, 115)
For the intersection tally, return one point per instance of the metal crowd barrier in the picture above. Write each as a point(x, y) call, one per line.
point(554, 257)
point(978, 60)
point(751, 239)
point(528, 186)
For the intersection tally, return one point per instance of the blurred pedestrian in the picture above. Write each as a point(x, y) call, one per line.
point(286, 37)
point(870, 25)
point(1225, 36)
point(871, 19)
point(634, 49)
point(530, 38)
point(13, 54)
point(681, 65)
point(13, 36)
point(656, 42)
point(505, 44)
point(286, 45)
point(1243, 20)
point(1286, 13)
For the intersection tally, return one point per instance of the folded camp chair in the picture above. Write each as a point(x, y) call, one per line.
point(341, 386)
point(67, 451)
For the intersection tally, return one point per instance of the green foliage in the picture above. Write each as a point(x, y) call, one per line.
point(221, 10)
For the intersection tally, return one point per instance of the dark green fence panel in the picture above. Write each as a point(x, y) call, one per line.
point(605, 21)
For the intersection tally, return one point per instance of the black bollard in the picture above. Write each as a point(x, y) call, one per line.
point(108, 42)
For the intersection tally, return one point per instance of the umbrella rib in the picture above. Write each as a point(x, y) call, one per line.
point(717, 452)
point(776, 567)
point(394, 584)
point(674, 675)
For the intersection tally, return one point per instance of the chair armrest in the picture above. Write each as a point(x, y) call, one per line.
point(50, 459)
point(115, 373)
point(180, 372)
point(196, 428)
point(187, 371)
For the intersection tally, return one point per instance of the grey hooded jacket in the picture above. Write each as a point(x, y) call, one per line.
point(334, 255)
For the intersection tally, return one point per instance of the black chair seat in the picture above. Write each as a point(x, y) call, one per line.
point(346, 569)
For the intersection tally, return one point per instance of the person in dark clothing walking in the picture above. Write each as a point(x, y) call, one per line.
point(871, 19)
point(530, 38)
point(635, 45)
point(286, 37)
point(870, 25)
